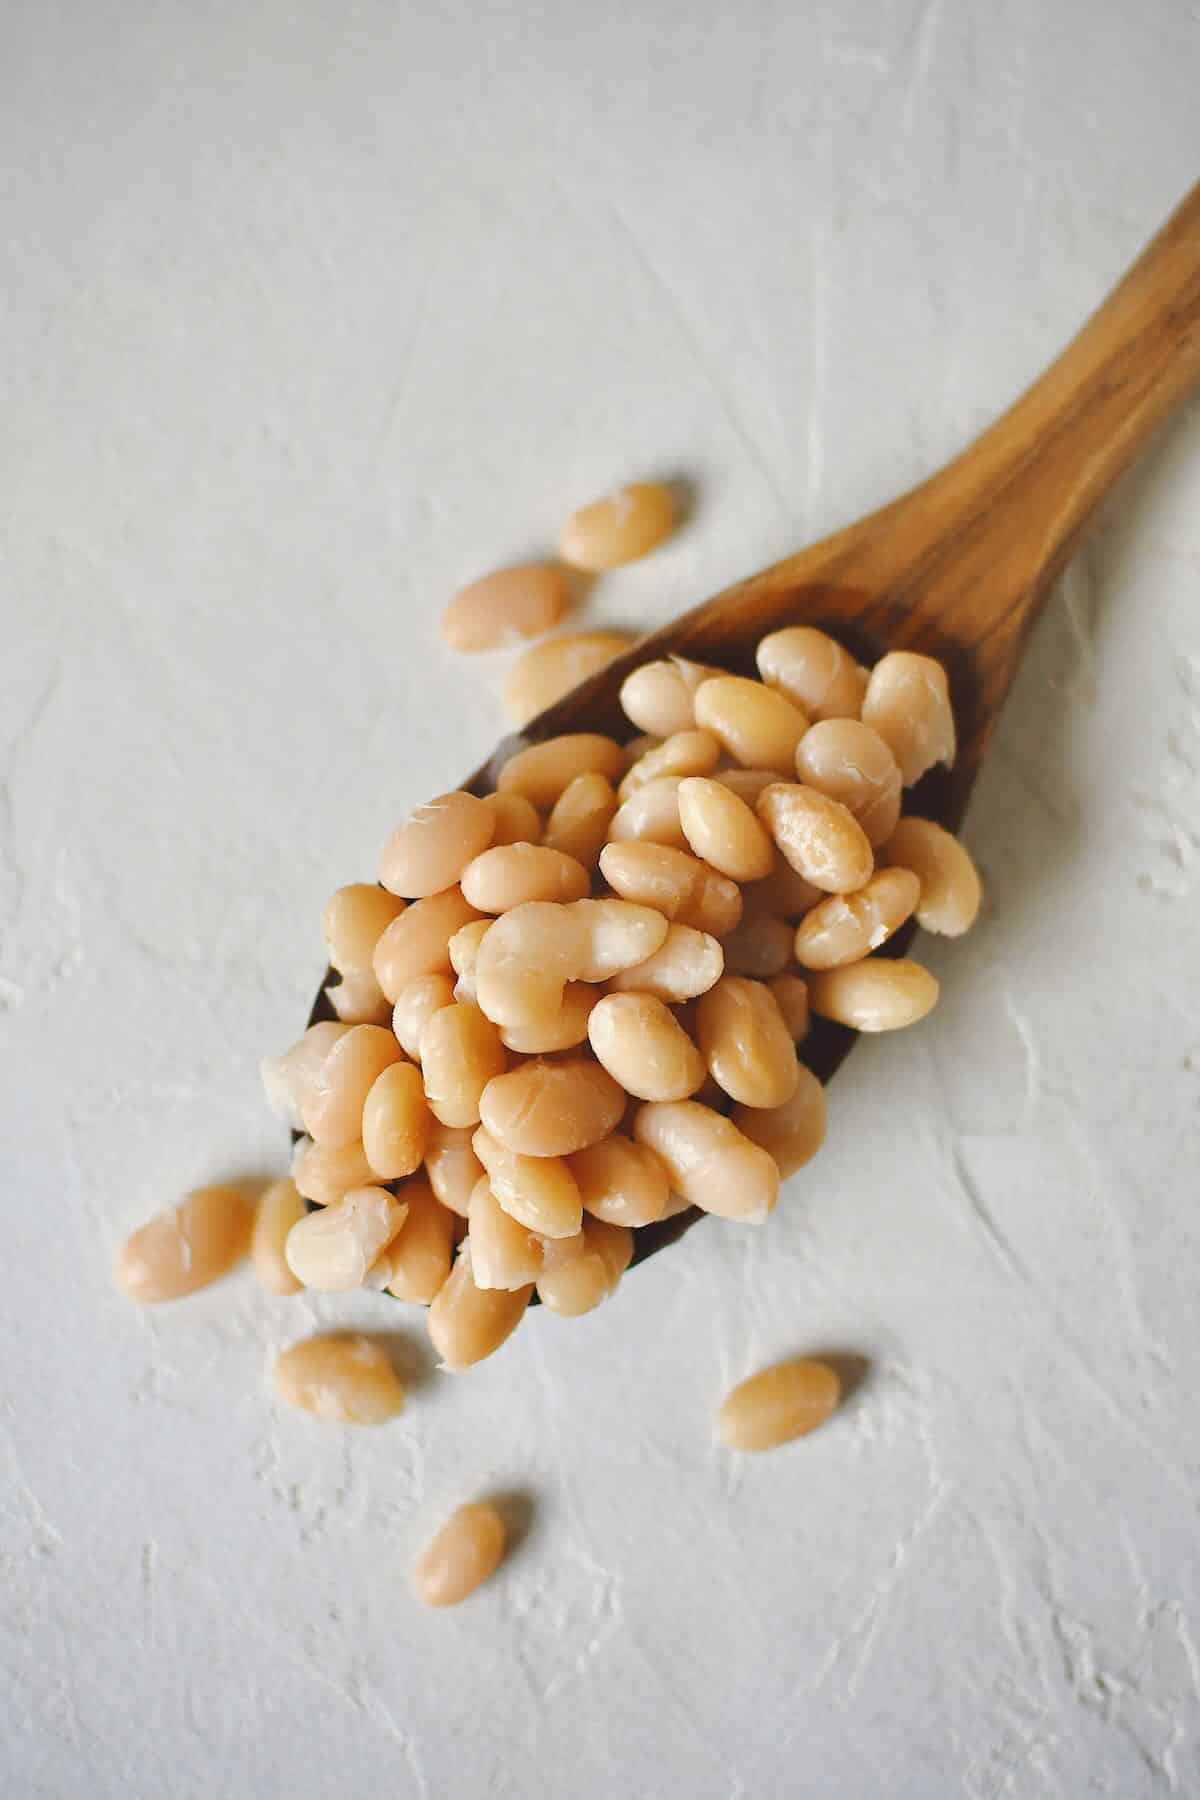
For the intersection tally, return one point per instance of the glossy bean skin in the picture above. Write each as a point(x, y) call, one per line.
point(850, 762)
point(416, 1004)
point(757, 726)
point(616, 935)
point(723, 831)
point(353, 923)
point(814, 671)
point(678, 885)
point(793, 1132)
point(521, 601)
point(517, 821)
point(186, 1247)
point(419, 1256)
point(464, 1553)
point(541, 773)
point(846, 927)
point(618, 528)
point(562, 1030)
point(820, 838)
point(287, 1079)
point(711, 1164)
point(744, 1042)
point(643, 1047)
point(880, 994)
point(686, 963)
point(417, 943)
point(467, 1322)
point(281, 1207)
point(621, 1182)
point(429, 852)
point(950, 890)
point(660, 696)
point(461, 1054)
point(543, 674)
point(778, 1404)
point(578, 1273)
point(451, 1166)
point(580, 819)
point(333, 1106)
point(526, 960)
point(651, 815)
point(323, 1174)
point(684, 753)
point(504, 1253)
point(551, 1109)
point(513, 874)
point(395, 1122)
point(539, 1192)
point(340, 1376)
point(908, 703)
point(332, 1249)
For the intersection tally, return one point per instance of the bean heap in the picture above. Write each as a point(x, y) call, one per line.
point(572, 1006)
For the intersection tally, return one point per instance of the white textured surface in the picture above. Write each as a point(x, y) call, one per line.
point(311, 312)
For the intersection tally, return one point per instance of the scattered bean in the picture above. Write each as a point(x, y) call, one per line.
point(341, 1376)
point(544, 674)
point(619, 528)
point(186, 1247)
point(778, 1404)
point(522, 601)
point(466, 1550)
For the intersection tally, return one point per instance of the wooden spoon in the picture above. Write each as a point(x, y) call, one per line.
point(960, 566)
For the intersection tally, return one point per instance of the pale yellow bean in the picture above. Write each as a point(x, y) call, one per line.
point(467, 1322)
point(784, 892)
point(685, 753)
point(711, 1164)
point(686, 964)
point(757, 726)
point(341, 1376)
point(819, 837)
point(551, 1108)
point(452, 1167)
point(578, 1273)
point(580, 819)
point(791, 997)
point(621, 1182)
point(333, 1105)
point(674, 883)
point(745, 1043)
point(332, 1249)
point(651, 815)
point(778, 1404)
point(359, 1000)
point(521, 601)
point(353, 923)
point(761, 946)
point(417, 942)
point(418, 1258)
point(908, 704)
point(846, 927)
point(429, 852)
point(950, 888)
point(545, 673)
point(660, 696)
point(814, 671)
point(281, 1207)
point(615, 935)
point(185, 1247)
point(722, 829)
point(514, 874)
point(396, 1122)
point(461, 1054)
point(880, 994)
point(287, 1079)
point(619, 528)
point(526, 960)
point(542, 772)
point(643, 1046)
point(793, 1132)
point(556, 1031)
point(504, 1254)
point(466, 1550)
point(517, 822)
point(850, 762)
point(540, 1192)
point(324, 1174)
point(416, 1004)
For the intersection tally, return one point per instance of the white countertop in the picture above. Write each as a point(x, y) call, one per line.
point(310, 313)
